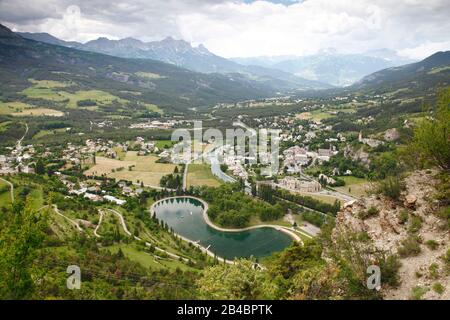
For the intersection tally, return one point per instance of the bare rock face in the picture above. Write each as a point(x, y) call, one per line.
point(391, 135)
point(85, 223)
point(410, 201)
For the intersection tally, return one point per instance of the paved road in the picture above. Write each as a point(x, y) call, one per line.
point(11, 188)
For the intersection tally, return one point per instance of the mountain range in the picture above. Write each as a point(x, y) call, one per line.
point(183, 54)
point(163, 84)
point(331, 67)
point(422, 76)
point(171, 86)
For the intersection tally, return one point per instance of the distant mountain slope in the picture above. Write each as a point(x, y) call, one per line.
point(159, 83)
point(331, 67)
point(431, 72)
point(183, 54)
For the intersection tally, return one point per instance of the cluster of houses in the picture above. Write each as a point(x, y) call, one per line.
point(19, 160)
point(155, 124)
point(296, 158)
point(299, 185)
point(92, 190)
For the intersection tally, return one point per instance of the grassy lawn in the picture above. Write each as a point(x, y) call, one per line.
point(153, 108)
point(44, 133)
point(145, 168)
point(147, 259)
point(354, 186)
point(148, 75)
point(315, 115)
point(164, 144)
point(200, 175)
point(320, 197)
point(5, 197)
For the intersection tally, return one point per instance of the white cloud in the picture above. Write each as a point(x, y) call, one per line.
point(245, 28)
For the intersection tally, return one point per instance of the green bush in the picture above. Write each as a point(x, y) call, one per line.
point(446, 259)
point(444, 214)
point(438, 288)
point(432, 135)
point(372, 211)
point(415, 224)
point(391, 187)
point(389, 269)
point(418, 292)
point(432, 245)
point(403, 216)
point(410, 247)
point(433, 270)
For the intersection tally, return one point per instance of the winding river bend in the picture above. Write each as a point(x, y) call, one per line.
point(185, 216)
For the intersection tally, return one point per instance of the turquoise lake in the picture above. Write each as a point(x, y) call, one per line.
point(185, 216)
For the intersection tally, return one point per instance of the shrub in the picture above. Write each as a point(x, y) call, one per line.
point(415, 224)
point(403, 216)
point(447, 260)
point(389, 268)
point(391, 187)
point(433, 270)
point(444, 214)
point(438, 288)
point(410, 247)
point(372, 211)
point(418, 292)
point(432, 245)
point(431, 137)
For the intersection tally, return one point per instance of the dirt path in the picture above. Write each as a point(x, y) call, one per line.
point(55, 208)
point(11, 188)
point(148, 244)
point(98, 225)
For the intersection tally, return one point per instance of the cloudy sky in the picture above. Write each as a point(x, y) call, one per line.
point(244, 28)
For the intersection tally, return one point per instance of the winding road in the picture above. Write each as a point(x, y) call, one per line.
point(98, 225)
point(127, 231)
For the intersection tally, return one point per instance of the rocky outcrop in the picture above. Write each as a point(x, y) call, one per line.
point(392, 225)
point(391, 135)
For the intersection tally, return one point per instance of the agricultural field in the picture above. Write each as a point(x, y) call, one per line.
point(38, 112)
point(316, 115)
point(23, 109)
point(143, 168)
point(164, 144)
point(200, 175)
